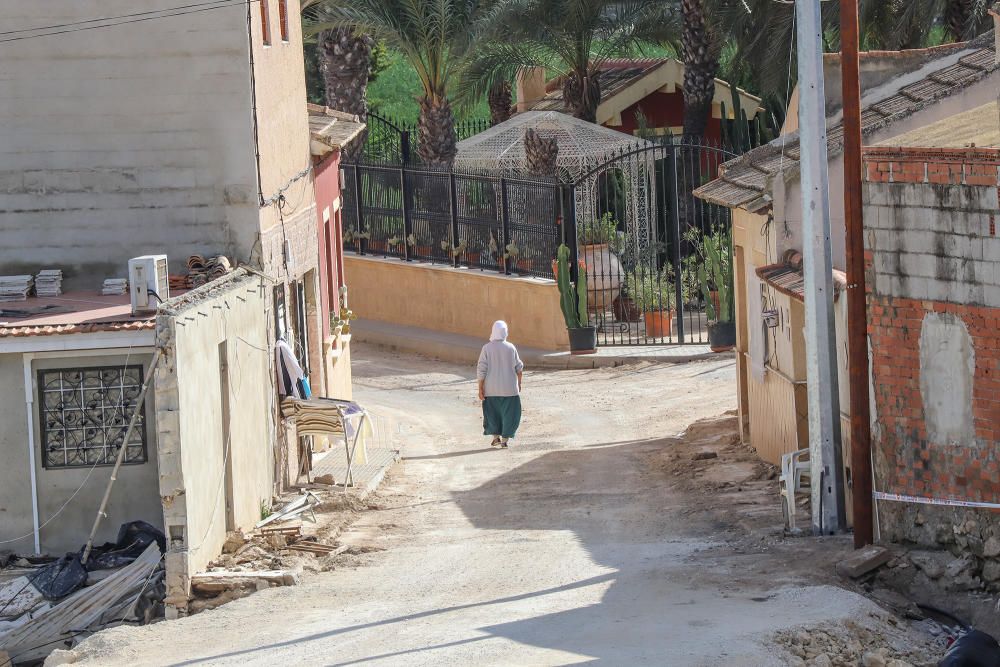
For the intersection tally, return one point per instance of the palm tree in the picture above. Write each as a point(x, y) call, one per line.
point(499, 100)
point(432, 36)
point(700, 50)
point(569, 38)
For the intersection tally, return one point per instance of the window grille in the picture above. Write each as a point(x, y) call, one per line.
point(84, 412)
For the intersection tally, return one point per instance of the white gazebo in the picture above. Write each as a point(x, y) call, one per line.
point(586, 151)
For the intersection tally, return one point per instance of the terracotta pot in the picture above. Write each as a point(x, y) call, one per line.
point(658, 323)
point(714, 295)
point(375, 247)
point(421, 251)
point(472, 258)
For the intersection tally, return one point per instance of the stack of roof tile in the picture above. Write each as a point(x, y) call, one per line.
point(15, 288)
point(48, 282)
point(114, 286)
point(203, 270)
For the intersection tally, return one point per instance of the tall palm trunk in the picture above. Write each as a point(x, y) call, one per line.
point(499, 99)
point(540, 154)
point(582, 95)
point(958, 17)
point(701, 62)
point(345, 63)
point(436, 132)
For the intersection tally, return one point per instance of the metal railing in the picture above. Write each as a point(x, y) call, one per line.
point(507, 225)
point(392, 142)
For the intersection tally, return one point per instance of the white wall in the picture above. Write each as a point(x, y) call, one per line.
point(125, 140)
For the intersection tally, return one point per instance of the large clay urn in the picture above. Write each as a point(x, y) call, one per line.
point(604, 276)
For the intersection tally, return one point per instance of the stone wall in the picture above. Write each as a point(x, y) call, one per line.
point(934, 324)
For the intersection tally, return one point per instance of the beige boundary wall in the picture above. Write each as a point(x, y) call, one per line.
point(460, 301)
point(214, 392)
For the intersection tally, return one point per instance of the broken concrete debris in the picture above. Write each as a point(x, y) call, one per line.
point(863, 561)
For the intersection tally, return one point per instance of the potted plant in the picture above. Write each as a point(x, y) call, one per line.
point(420, 244)
point(654, 296)
point(573, 302)
point(597, 240)
point(353, 235)
point(473, 251)
point(716, 275)
point(453, 251)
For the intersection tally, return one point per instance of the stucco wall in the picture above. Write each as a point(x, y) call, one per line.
point(460, 301)
point(125, 140)
point(134, 495)
point(195, 453)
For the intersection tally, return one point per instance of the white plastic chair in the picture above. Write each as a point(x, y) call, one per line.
point(794, 467)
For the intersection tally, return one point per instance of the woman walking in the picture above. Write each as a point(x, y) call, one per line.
point(500, 373)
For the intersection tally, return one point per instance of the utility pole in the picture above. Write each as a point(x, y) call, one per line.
point(857, 317)
point(827, 474)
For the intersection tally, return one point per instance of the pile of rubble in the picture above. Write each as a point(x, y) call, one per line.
point(48, 603)
point(878, 640)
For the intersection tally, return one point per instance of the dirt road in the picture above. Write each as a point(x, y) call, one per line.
point(568, 548)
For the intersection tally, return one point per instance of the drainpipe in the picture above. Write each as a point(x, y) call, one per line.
point(29, 401)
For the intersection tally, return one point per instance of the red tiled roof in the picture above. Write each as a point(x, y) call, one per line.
point(70, 313)
point(786, 276)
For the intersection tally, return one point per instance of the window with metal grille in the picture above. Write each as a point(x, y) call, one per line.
point(283, 19)
point(265, 22)
point(84, 413)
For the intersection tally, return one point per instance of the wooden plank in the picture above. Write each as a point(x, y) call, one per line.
point(38, 637)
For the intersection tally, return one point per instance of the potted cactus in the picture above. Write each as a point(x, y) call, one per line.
point(573, 301)
point(716, 277)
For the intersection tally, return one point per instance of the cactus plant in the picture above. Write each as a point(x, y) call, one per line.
point(572, 298)
point(717, 270)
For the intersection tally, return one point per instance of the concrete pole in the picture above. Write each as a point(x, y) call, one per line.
point(857, 316)
point(827, 480)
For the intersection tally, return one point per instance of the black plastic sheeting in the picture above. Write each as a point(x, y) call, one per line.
point(973, 649)
point(66, 575)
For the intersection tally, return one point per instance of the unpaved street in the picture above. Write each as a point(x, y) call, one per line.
point(569, 548)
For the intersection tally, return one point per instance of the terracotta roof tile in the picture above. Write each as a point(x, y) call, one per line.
point(734, 187)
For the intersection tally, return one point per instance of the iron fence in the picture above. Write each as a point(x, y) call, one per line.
point(393, 142)
point(511, 226)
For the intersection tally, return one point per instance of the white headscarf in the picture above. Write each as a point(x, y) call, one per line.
point(499, 331)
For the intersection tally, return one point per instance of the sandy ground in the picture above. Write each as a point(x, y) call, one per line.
point(575, 546)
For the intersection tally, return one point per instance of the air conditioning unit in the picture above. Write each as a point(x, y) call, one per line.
point(147, 280)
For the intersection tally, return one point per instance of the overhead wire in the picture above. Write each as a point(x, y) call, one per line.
point(112, 21)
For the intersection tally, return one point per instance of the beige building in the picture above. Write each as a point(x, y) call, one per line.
point(901, 91)
point(185, 132)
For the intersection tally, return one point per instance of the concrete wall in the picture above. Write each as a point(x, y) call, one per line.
point(934, 327)
point(125, 140)
point(460, 301)
point(134, 495)
point(216, 468)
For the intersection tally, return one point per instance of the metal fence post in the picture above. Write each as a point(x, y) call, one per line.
point(404, 185)
point(453, 207)
point(504, 227)
point(357, 207)
point(675, 238)
point(404, 146)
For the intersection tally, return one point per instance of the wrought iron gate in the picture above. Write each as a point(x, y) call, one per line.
point(641, 235)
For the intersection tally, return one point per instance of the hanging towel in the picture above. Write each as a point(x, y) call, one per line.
point(291, 380)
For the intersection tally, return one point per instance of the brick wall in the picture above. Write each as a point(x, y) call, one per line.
point(933, 276)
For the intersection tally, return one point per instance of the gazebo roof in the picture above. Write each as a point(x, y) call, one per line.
point(583, 146)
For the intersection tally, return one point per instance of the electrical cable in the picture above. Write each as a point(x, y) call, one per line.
point(112, 21)
point(113, 18)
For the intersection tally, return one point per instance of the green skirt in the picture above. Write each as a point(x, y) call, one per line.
point(501, 415)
